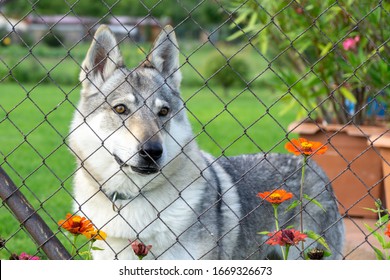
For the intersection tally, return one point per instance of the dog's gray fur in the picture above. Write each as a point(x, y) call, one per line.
point(141, 175)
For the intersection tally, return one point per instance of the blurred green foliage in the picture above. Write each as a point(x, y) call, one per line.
point(331, 58)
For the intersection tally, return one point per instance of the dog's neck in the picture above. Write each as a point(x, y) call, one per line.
point(116, 197)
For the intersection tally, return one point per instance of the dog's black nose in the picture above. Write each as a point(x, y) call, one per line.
point(151, 151)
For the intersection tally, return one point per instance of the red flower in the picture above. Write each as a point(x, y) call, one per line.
point(76, 224)
point(301, 146)
point(388, 230)
point(286, 237)
point(276, 196)
point(140, 249)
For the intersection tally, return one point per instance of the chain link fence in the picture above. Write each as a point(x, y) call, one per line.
point(255, 74)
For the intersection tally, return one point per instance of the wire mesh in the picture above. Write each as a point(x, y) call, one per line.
point(256, 74)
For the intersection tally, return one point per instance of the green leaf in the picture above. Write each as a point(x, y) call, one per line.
point(302, 45)
point(253, 19)
point(327, 253)
point(334, 10)
point(368, 227)
point(372, 210)
point(325, 49)
point(383, 220)
point(264, 42)
point(377, 235)
point(263, 232)
point(246, 30)
point(235, 35)
point(242, 17)
point(318, 238)
point(379, 254)
point(387, 245)
point(292, 205)
point(348, 94)
point(97, 248)
point(86, 255)
point(380, 238)
point(316, 202)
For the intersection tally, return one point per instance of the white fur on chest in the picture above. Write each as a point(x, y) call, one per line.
point(158, 218)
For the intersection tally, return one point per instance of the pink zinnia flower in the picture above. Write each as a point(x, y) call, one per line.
point(351, 43)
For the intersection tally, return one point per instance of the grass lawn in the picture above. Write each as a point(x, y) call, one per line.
point(35, 119)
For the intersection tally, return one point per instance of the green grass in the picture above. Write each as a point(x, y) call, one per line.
point(33, 126)
point(236, 124)
point(35, 119)
point(62, 65)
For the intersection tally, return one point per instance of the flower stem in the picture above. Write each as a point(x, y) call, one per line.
point(74, 245)
point(89, 256)
point(301, 196)
point(275, 206)
point(287, 249)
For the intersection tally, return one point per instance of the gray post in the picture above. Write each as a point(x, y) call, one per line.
point(29, 218)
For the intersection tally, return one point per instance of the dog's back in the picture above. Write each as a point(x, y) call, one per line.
point(252, 174)
point(230, 215)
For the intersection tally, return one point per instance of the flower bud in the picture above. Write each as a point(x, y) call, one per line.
point(315, 254)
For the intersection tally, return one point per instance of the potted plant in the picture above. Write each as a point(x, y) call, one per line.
point(330, 65)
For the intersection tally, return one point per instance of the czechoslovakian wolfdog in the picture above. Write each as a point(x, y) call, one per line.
point(141, 175)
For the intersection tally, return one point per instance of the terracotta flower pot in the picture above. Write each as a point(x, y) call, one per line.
point(353, 166)
point(382, 142)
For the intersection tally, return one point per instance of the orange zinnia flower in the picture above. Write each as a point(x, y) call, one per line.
point(95, 234)
point(286, 237)
point(276, 196)
point(388, 230)
point(301, 146)
point(76, 224)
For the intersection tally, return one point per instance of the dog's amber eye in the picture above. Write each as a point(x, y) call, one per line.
point(120, 109)
point(164, 111)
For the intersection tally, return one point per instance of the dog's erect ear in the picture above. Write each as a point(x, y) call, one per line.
point(164, 56)
point(102, 59)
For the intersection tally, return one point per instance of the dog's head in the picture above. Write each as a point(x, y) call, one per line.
point(128, 119)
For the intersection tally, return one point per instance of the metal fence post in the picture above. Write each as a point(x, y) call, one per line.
point(29, 218)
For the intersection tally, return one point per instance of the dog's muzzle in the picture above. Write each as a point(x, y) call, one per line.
point(144, 170)
point(120, 162)
point(150, 153)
